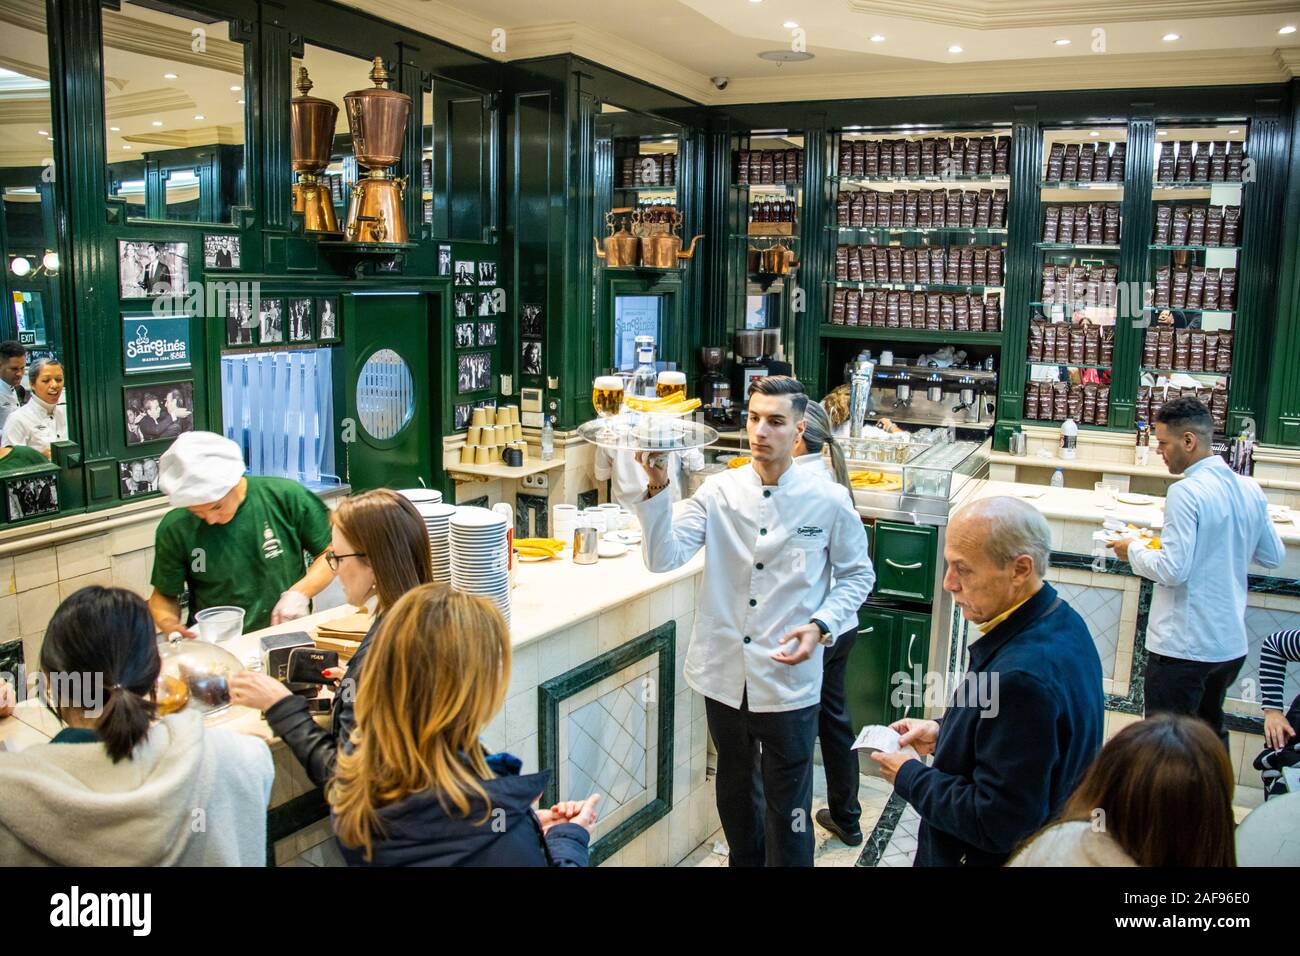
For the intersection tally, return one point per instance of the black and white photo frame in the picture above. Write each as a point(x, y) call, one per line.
point(487, 273)
point(138, 476)
point(465, 304)
point(465, 273)
point(461, 415)
point(531, 322)
point(299, 309)
point(473, 372)
point(240, 321)
point(530, 357)
point(464, 335)
point(31, 496)
point(444, 260)
point(147, 270)
point(487, 333)
point(158, 412)
point(270, 322)
point(329, 320)
point(220, 253)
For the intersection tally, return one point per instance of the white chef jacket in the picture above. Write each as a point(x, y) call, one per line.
point(8, 402)
point(630, 479)
point(771, 554)
point(816, 462)
point(1216, 523)
point(37, 424)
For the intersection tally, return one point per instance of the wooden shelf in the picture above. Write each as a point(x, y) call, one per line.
point(533, 466)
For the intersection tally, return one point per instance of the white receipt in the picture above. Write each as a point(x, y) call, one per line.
point(883, 739)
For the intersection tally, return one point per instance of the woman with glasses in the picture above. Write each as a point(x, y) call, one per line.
point(379, 548)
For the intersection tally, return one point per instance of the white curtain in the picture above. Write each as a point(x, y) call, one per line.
point(279, 408)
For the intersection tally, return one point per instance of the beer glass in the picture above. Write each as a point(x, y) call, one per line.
point(607, 397)
point(671, 383)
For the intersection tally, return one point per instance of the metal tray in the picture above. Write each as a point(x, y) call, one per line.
point(626, 433)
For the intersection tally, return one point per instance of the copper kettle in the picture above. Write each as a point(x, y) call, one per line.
point(777, 260)
point(663, 250)
point(621, 248)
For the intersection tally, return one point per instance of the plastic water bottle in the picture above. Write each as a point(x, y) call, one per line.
point(548, 439)
point(1058, 479)
point(1069, 439)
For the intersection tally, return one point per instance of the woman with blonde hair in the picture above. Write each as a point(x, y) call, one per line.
point(1158, 794)
point(419, 789)
point(836, 404)
point(379, 549)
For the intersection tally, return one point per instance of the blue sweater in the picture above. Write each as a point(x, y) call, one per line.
point(419, 832)
point(1002, 771)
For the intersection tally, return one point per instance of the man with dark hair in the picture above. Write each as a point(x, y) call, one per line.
point(785, 570)
point(13, 366)
point(1216, 524)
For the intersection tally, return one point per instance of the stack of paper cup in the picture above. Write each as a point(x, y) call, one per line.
point(480, 556)
point(564, 518)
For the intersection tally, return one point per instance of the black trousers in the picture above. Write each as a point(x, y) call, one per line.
point(765, 782)
point(835, 731)
point(1195, 688)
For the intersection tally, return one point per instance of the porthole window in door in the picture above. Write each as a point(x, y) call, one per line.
point(385, 395)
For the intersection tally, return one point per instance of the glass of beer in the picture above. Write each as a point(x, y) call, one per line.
point(607, 397)
point(671, 384)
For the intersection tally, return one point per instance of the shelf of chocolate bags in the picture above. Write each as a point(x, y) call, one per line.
point(913, 287)
point(1198, 184)
point(887, 232)
point(1089, 184)
point(933, 180)
point(898, 334)
point(1183, 371)
point(1100, 368)
point(1076, 247)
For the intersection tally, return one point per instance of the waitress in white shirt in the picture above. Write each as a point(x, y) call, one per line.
point(42, 420)
point(1216, 524)
point(785, 570)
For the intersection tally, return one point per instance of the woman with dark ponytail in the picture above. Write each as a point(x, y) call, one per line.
point(843, 811)
point(119, 785)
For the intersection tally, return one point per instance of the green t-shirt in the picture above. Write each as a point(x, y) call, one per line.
point(251, 560)
point(22, 457)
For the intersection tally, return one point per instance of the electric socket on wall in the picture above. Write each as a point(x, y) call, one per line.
point(537, 482)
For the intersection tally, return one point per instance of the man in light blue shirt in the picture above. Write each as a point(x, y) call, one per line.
point(1216, 524)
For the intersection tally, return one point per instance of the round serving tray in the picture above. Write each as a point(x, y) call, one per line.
point(627, 432)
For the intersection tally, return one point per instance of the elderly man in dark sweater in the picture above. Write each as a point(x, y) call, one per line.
point(1026, 720)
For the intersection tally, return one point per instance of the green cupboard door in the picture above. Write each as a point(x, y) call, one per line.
point(904, 559)
point(869, 668)
point(911, 662)
point(389, 399)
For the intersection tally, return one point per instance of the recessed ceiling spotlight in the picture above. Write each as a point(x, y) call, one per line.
point(199, 116)
point(126, 147)
point(156, 123)
point(954, 49)
point(1062, 42)
point(239, 102)
point(877, 38)
point(1233, 132)
point(1094, 133)
point(790, 25)
point(234, 89)
point(1170, 37)
point(41, 132)
point(115, 129)
point(1289, 28)
point(1162, 133)
point(755, 1)
point(169, 76)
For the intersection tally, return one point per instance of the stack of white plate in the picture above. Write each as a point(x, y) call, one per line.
point(437, 518)
point(428, 496)
point(480, 556)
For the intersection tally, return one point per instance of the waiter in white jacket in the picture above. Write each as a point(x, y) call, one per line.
point(1216, 523)
point(776, 536)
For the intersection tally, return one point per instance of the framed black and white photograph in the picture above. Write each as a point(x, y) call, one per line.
point(531, 324)
point(270, 322)
point(473, 371)
point(460, 416)
point(240, 321)
point(530, 357)
point(464, 335)
point(327, 319)
point(485, 304)
point(487, 333)
point(466, 304)
point(138, 477)
point(147, 270)
point(486, 403)
point(220, 252)
point(444, 260)
point(158, 412)
point(28, 497)
point(300, 329)
point(487, 273)
point(464, 274)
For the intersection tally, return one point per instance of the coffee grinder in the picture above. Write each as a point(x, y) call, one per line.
point(311, 139)
point(714, 390)
point(377, 118)
point(748, 349)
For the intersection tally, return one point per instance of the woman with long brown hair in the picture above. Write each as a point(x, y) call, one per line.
point(1158, 794)
point(419, 789)
point(380, 550)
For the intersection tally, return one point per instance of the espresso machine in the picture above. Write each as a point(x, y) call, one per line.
point(377, 118)
point(751, 364)
point(311, 137)
point(962, 395)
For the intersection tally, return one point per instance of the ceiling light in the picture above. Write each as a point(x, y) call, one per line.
point(20, 266)
point(239, 102)
point(790, 25)
point(41, 132)
point(1162, 133)
point(51, 261)
point(755, 1)
point(1289, 28)
point(1094, 133)
point(954, 49)
point(877, 38)
point(169, 76)
point(115, 129)
point(1170, 37)
point(1233, 132)
point(199, 116)
point(1062, 42)
point(234, 89)
point(157, 122)
point(126, 147)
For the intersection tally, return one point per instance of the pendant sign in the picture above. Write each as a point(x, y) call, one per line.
point(155, 343)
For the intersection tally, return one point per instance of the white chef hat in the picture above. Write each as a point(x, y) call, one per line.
point(199, 468)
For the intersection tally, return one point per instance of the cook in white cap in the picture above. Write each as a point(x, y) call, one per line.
point(256, 543)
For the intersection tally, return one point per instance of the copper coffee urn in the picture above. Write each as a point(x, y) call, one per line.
point(377, 118)
point(311, 135)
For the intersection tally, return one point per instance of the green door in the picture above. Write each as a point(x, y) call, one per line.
point(390, 405)
point(911, 663)
point(868, 671)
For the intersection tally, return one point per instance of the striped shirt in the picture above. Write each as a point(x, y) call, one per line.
point(1278, 648)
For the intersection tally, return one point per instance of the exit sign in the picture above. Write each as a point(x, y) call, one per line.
point(26, 338)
